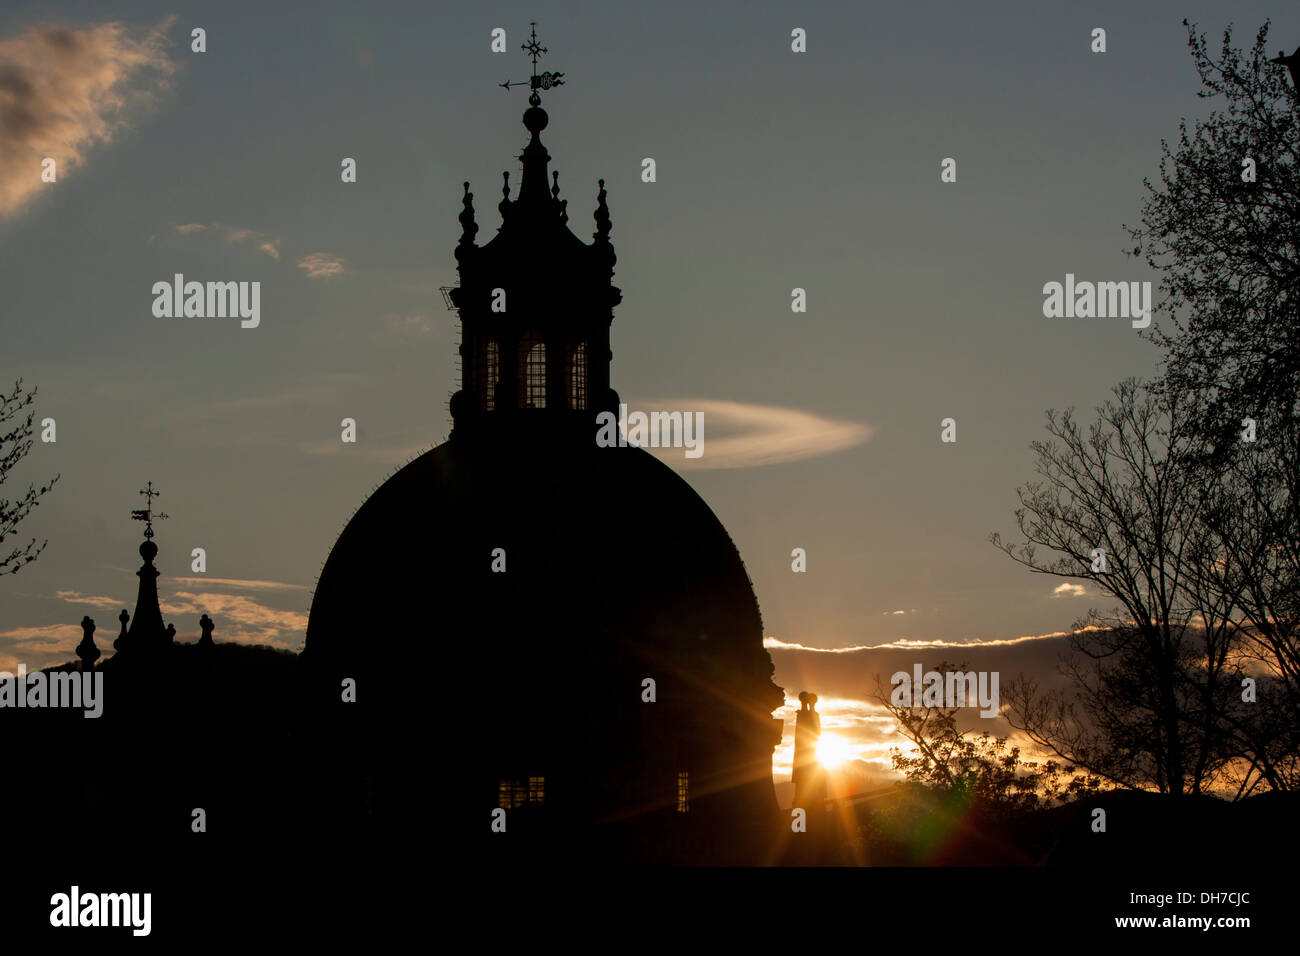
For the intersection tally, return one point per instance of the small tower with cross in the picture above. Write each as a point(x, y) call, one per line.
point(146, 633)
point(535, 302)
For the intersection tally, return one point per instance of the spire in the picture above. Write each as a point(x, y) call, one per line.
point(146, 631)
point(532, 189)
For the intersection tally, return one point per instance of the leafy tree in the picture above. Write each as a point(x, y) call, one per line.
point(973, 771)
point(1228, 249)
point(1229, 253)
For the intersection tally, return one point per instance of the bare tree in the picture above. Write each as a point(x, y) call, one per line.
point(15, 443)
point(1120, 507)
point(1253, 531)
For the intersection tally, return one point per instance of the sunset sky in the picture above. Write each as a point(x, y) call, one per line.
point(775, 170)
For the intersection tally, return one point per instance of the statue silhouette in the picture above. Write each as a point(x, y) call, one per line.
point(1292, 63)
point(807, 775)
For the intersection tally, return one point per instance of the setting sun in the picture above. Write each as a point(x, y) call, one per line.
point(832, 751)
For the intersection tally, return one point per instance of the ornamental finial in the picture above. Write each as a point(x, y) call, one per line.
point(468, 227)
point(504, 205)
point(544, 81)
point(147, 514)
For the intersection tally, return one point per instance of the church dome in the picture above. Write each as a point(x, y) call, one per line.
point(524, 622)
point(501, 609)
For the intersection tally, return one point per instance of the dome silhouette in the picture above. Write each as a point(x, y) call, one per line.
point(615, 572)
point(524, 643)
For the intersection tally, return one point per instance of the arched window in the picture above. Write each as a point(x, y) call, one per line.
point(491, 374)
point(576, 376)
point(532, 371)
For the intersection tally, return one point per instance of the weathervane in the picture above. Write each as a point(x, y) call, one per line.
point(146, 514)
point(543, 81)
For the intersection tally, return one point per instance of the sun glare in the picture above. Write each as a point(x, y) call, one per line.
point(832, 751)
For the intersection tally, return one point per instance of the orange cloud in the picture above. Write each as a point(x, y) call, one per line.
point(320, 265)
point(38, 647)
point(64, 91)
point(94, 600)
point(239, 618)
point(1068, 590)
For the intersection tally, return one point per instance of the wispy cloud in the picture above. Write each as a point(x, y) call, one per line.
point(419, 323)
point(742, 435)
point(320, 265)
point(93, 600)
point(395, 454)
point(905, 643)
point(244, 585)
point(267, 245)
point(38, 647)
point(64, 91)
point(240, 618)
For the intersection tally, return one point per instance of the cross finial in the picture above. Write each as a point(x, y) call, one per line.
point(532, 48)
point(147, 514)
point(539, 81)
